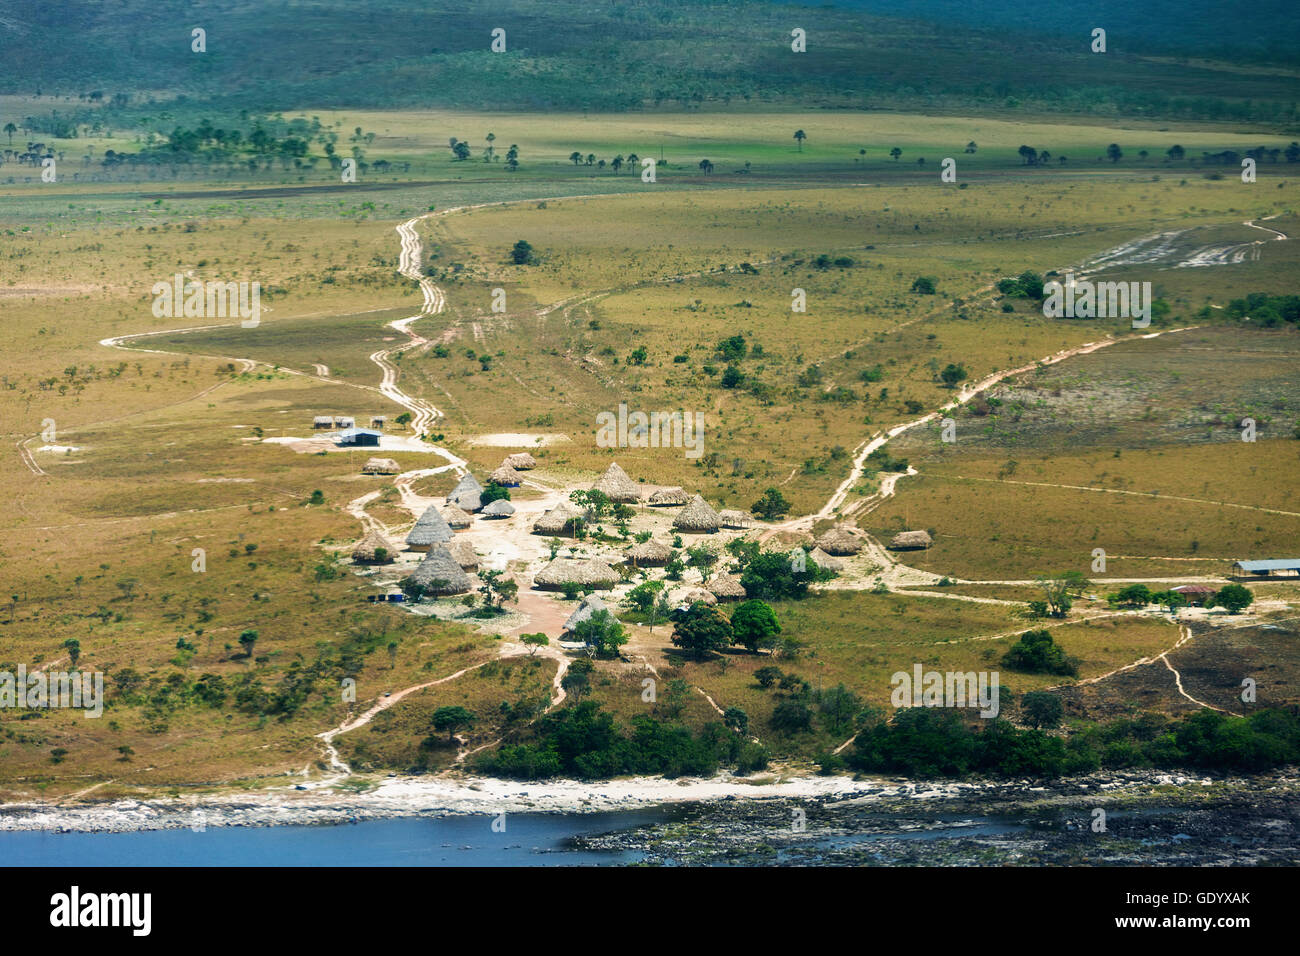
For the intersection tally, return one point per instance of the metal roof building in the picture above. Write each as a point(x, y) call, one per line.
point(360, 436)
point(1270, 566)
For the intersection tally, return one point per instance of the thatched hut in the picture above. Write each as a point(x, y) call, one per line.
point(431, 529)
point(506, 477)
point(618, 486)
point(669, 498)
point(464, 553)
point(582, 572)
point(824, 561)
point(440, 573)
point(698, 517)
point(680, 598)
point(344, 421)
point(649, 554)
point(498, 509)
point(378, 421)
point(466, 494)
point(841, 539)
point(735, 519)
point(457, 517)
point(374, 548)
point(726, 587)
point(380, 466)
point(520, 461)
point(911, 541)
point(590, 605)
point(322, 421)
point(559, 520)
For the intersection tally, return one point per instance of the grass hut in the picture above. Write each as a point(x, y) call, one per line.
point(590, 605)
point(457, 518)
point(344, 421)
point(682, 598)
point(431, 529)
point(841, 539)
point(559, 520)
point(374, 548)
point(618, 486)
point(322, 421)
point(649, 554)
point(466, 494)
point(464, 553)
point(520, 461)
point(698, 517)
point(911, 541)
point(726, 587)
point(580, 572)
point(736, 520)
point(498, 509)
point(824, 561)
point(378, 421)
point(506, 477)
point(380, 466)
point(441, 574)
point(669, 498)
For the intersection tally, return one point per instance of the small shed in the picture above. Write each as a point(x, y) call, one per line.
point(322, 421)
point(1198, 595)
point(360, 437)
point(378, 421)
point(344, 421)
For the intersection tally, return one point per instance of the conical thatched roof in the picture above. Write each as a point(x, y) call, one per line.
point(506, 476)
point(467, 500)
point(380, 466)
point(698, 517)
point(364, 552)
point(669, 497)
point(466, 483)
point(440, 573)
point(559, 520)
point(735, 519)
point(910, 540)
point(520, 461)
point(589, 606)
point(685, 597)
point(617, 485)
point(432, 528)
point(587, 573)
point(726, 586)
point(457, 517)
point(498, 509)
point(650, 554)
point(824, 561)
point(841, 539)
point(464, 553)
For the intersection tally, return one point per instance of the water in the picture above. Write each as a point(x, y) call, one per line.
point(531, 839)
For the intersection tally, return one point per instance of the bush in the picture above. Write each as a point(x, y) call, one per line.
point(1037, 653)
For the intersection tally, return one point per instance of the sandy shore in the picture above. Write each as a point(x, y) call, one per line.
point(410, 796)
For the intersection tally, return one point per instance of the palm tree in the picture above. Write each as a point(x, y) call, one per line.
point(10, 128)
point(800, 136)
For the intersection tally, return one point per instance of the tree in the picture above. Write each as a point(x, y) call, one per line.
point(1037, 653)
point(767, 676)
point(895, 153)
point(736, 719)
point(971, 147)
point(1059, 591)
point(73, 647)
point(10, 128)
point(495, 589)
point(577, 679)
point(706, 166)
point(534, 641)
point(575, 157)
point(732, 377)
point(923, 285)
point(800, 136)
point(1234, 597)
point(1028, 154)
point(522, 253)
point(751, 623)
point(1114, 153)
point(1135, 595)
point(702, 629)
point(791, 716)
point(839, 706)
point(603, 633)
point(616, 163)
point(494, 492)
point(1175, 152)
point(952, 374)
point(1041, 709)
point(460, 150)
point(1169, 600)
point(246, 640)
point(772, 505)
point(451, 719)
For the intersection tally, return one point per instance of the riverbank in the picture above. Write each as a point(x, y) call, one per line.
point(393, 797)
